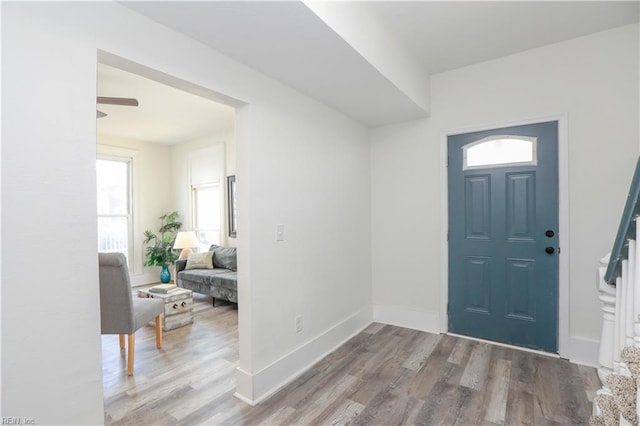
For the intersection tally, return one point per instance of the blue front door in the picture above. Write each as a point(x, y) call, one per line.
point(503, 235)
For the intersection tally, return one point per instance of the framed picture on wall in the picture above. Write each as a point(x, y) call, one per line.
point(231, 202)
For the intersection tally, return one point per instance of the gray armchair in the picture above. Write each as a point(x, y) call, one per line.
point(120, 312)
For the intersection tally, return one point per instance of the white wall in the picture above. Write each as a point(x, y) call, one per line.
point(595, 80)
point(299, 163)
point(405, 224)
point(51, 345)
point(152, 188)
point(315, 182)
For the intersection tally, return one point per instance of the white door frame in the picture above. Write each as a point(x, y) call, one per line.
point(563, 227)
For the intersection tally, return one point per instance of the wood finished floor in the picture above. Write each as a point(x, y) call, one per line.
point(385, 375)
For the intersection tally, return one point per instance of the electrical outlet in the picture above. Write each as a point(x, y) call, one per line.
point(298, 323)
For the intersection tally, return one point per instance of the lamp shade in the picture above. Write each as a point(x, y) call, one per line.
point(186, 239)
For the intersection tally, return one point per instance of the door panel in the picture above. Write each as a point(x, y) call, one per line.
point(503, 286)
point(521, 206)
point(477, 275)
point(477, 207)
point(520, 289)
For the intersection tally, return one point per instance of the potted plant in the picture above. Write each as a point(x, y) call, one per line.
point(159, 251)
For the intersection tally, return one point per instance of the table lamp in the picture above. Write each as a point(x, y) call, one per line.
point(186, 240)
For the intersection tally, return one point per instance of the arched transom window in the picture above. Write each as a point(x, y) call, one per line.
point(500, 151)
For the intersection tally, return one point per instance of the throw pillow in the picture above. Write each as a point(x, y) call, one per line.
point(225, 257)
point(200, 260)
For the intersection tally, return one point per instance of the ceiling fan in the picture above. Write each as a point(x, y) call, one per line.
point(114, 101)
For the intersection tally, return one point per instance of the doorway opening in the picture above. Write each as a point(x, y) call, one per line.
point(178, 148)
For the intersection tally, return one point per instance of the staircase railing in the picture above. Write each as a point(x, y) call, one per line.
point(618, 284)
point(626, 230)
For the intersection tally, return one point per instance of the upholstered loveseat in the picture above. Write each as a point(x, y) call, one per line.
point(218, 279)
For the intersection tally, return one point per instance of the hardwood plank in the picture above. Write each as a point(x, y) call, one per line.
point(324, 401)
point(378, 366)
point(217, 386)
point(303, 391)
point(520, 402)
point(460, 351)
point(555, 392)
point(496, 411)
point(574, 387)
point(419, 355)
point(227, 408)
point(441, 405)
point(475, 373)
point(472, 407)
point(152, 411)
point(343, 414)
point(214, 404)
point(279, 416)
point(389, 408)
point(385, 375)
point(420, 384)
point(523, 369)
point(373, 328)
point(591, 381)
point(152, 388)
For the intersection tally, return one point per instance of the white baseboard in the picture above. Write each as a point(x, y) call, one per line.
point(244, 386)
point(584, 351)
point(144, 279)
point(428, 321)
point(256, 387)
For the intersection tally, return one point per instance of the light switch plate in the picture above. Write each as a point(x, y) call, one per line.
point(279, 232)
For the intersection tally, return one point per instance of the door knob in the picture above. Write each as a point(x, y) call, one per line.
point(550, 250)
point(549, 233)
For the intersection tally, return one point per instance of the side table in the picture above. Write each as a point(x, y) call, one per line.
point(178, 307)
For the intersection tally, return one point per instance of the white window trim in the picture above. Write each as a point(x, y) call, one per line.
point(108, 152)
point(190, 186)
point(194, 222)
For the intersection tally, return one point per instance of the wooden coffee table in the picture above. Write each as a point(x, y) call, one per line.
point(178, 307)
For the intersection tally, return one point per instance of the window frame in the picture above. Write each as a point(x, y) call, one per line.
point(129, 215)
point(534, 152)
point(194, 209)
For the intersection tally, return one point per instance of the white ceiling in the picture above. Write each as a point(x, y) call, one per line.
point(164, 115)
point(448, 35)
point(290, 43)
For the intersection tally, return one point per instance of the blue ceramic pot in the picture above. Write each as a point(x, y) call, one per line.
point(165, 274)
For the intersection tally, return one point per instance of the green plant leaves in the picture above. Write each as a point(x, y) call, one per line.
point(160, 252)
